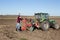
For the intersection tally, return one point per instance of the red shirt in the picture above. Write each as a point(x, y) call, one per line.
point(18, 19)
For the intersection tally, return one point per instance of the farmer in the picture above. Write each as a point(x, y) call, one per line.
point(18, 26)
point(32, 25)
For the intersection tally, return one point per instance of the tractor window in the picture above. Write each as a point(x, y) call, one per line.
point(46, 16)
point(42, 16)
point(37, 16)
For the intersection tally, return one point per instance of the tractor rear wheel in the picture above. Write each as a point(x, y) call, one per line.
point(45, 25)
point(56, 26)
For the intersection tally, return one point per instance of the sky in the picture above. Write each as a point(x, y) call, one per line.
point(29, 7)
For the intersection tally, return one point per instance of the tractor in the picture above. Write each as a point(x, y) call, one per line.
point(45, 22)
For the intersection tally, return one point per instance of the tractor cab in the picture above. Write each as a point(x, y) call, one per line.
point(41, 16)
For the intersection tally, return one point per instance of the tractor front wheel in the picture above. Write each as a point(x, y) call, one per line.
point(56, 26)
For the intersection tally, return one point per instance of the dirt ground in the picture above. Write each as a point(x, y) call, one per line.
point(8, 32)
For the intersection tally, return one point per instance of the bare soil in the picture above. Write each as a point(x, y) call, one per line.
point(8, 32)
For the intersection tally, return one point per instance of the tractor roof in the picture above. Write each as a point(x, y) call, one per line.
point(41, 13)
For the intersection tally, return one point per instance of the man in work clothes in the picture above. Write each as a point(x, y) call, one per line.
point(18, 26)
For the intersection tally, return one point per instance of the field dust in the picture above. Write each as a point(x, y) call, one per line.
point(8, 31)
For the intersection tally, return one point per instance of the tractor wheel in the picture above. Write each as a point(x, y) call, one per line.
point(45, 25)
point(56, 26)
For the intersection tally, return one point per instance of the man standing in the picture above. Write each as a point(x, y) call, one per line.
point(18, 26)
